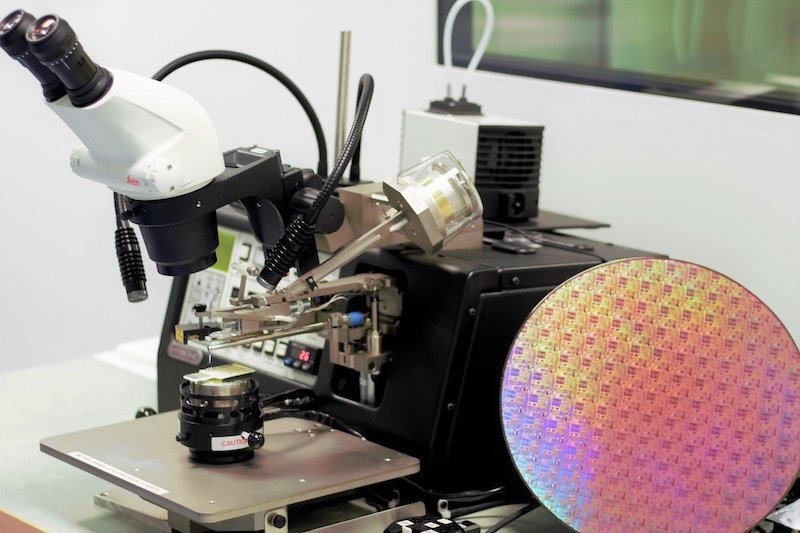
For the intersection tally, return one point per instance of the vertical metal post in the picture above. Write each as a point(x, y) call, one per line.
point(341, 104)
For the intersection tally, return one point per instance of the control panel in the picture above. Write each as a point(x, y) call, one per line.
point(295, 358)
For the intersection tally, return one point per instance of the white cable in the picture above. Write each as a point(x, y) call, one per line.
point(337, 298)
point(447, 42)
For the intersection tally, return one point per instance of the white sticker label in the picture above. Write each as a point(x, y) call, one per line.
point(116, 472)
point(220, 444)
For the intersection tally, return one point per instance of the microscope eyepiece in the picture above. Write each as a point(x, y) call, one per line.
point(54, 43)
point(43, 27)
point(11, 21)
point(12, 33)
point(12, 39)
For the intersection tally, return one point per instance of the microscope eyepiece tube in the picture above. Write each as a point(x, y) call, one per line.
point(12, 39)
point(54, 43)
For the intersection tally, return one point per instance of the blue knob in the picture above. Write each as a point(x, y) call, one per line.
point(356, 319)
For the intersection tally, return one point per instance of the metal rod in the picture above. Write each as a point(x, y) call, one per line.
point(374, 312)
point(308, 280)
point(341, 102)
point(242, 288)
point(310, 328)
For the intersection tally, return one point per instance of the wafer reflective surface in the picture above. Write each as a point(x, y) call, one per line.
point(654, 395)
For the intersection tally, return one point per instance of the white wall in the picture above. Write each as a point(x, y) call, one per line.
point(701, 182)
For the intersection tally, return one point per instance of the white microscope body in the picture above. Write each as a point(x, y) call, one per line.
point(143, 139)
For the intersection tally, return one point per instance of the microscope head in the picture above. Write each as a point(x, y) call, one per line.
point(143, 139)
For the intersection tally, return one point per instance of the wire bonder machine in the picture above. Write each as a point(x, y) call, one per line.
point(373, 374)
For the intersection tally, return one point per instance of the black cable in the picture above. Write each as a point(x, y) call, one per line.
point(322, 164)
point(540, 241)
point(513, 516)
point(311, 414)
point(459, 512)
point(366, 86)
point(355, 164)
point(300, 231)
point(514, 229)
point(463, 496)
point(292, 398)
point(355, 167)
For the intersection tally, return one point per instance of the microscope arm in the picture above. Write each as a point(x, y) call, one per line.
point(181, 232)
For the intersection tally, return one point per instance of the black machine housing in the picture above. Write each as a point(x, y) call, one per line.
point(439, 396)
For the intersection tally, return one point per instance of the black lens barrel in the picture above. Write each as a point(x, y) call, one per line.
point(13, 29)
point(54, 43)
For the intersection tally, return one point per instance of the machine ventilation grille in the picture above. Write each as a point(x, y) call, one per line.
point(508, 156)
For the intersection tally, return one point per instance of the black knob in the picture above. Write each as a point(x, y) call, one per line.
point(146, 411)
point(255, 440)
point(278, 521)
point(199, 308)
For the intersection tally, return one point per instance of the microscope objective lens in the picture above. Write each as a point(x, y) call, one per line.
point(11, 21)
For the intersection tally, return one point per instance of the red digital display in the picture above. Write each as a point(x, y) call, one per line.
point(302, 357)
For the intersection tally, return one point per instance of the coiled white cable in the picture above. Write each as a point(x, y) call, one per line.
point(447, 42)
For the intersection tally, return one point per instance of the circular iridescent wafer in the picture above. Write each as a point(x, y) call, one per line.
point(654, 395)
